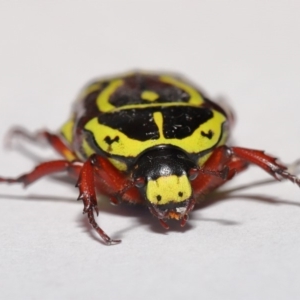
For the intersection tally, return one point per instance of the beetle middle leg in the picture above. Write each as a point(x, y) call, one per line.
point(85, 183)
point(41, 136)
point(112, 184)
point(46, 168)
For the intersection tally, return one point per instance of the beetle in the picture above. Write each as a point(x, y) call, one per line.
point(150, 139)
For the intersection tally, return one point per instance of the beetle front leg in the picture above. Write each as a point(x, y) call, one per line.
point(220, 167)
point(266, 162)
point(229, 161)
point(87, 193)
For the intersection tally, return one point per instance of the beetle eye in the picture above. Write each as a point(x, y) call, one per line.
point(139, 182)
point(193, 173)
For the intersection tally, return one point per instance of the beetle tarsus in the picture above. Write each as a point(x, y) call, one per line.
point(164, 224)
point(114, 200)
point(184, 220)
point(106, 239)
point(286, 175)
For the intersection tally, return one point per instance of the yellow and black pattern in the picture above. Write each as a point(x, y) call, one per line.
point(123, 117)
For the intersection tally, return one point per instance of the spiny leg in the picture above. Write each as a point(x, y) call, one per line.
point(220, 162)
point(86, 172)
point(236, 160)
point(54, 140)
point(85, 183)
point(266, 162)
point(87, 193)
point(98, 172)
point(46, 168)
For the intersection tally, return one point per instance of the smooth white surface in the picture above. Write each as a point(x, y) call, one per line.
point(241, 248)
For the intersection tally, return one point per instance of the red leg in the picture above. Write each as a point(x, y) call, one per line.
point(230, 161)
point(266, 162)
point(47, 168)
point(87, 193)
point(85, 183)
point(220, 162)
point(54, 140)
point(112, 183)
point(95, 172)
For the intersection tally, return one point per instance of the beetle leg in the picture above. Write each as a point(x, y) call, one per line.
point(220, 167)
point(111, 182)
point(266, 162)
point(87, 193)
point(54, 140)
point(234, 160)
point(46, 168)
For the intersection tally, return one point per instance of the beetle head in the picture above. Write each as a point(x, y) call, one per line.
point(163, 176)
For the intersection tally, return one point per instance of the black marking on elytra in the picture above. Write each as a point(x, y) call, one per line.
point(178, 121)
point(130, 92)
point(108, 140)
point(209, 134)
point(181, 121)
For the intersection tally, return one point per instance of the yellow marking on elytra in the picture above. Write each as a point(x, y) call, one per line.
point(158, 119)
point(149, 96)
point(92, 88)
point(195, 97)
point(118, 164)
point(103, 98)
point(168, 189)
point(104, 105)
point(67, 130)
point(132, 106)
point(88, 151)
point(67, 134)
point(128, 147)
point(204, 158)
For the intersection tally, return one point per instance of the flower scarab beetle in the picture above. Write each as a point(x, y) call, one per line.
point(150, 139)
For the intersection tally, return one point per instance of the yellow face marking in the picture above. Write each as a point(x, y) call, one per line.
point(103, 98)
point(67, 130)
point(168, 189)
point(128, 147)
point(196, 98)
point(149, 96)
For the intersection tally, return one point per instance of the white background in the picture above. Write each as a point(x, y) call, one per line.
point(243, 247)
